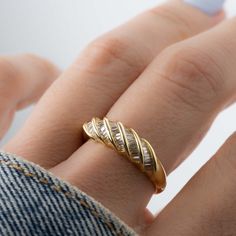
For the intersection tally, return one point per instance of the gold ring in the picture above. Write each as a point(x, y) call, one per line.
point(127, 143)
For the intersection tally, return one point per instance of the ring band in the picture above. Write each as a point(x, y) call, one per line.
point(127, 143)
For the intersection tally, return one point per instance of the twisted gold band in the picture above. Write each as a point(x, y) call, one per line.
point(127, 143)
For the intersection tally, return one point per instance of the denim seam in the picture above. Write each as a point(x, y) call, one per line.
point(58, 189)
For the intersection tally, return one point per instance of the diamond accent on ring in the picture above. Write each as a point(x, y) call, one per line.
point(90, 129)
point(147, 157)
point(117, 135)
point(132, 145)
point(102, 130)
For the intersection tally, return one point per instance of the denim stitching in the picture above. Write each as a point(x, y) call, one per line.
point(25, 203)
point(44, 217)
point(91, 222)
point(59, 190)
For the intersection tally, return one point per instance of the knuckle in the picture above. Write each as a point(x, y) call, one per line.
point(106, 50)
point(193, 75)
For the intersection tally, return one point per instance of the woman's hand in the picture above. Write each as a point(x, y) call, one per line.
point(158, 75)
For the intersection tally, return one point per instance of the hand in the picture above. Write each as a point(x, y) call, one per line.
point(155, 76)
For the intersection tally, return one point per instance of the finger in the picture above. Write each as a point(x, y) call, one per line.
point(171, 104)
point(96, 80)
point(23, 79)
point(207, 204)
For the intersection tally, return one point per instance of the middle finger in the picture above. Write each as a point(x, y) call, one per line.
point(102, 73)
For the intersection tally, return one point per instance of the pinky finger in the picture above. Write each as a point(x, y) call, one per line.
point(23, 79)
point(207, 204)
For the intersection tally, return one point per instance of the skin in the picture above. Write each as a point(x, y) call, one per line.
point(176, 81)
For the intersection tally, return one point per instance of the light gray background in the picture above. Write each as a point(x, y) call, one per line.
point(59, 29)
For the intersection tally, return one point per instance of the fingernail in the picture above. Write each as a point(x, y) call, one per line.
point(210, 7)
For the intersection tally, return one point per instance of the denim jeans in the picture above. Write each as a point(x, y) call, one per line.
point(34, 202)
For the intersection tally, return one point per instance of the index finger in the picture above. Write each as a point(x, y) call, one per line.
point(23, 80)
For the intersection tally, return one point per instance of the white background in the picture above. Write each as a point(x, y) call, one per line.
point(59, 29)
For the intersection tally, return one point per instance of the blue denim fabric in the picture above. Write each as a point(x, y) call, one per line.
point(34, 202)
